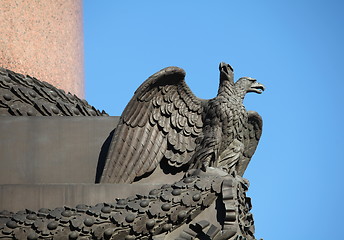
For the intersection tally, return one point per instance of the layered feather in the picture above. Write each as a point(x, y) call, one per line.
point(162, 120)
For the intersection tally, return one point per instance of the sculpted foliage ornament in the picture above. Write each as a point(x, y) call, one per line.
point(152, 216)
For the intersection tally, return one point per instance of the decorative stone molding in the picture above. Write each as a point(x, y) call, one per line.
point(156, 214)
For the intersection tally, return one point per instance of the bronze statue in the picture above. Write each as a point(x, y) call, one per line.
point(205, 144)
point(166, 122)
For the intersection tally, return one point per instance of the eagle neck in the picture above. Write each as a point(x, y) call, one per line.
point(241, 92)
point(226, 89)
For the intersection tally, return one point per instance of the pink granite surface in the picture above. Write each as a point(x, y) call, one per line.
point(44, 39)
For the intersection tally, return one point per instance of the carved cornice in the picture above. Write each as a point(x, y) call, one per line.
point(155, 215)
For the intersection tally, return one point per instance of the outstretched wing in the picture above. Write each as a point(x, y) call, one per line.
point(163, 119)
point(252, 134)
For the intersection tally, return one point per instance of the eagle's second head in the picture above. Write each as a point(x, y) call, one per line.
point(246, 84)
point(226, 72)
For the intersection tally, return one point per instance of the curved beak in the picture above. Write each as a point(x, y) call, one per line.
point(256, 87)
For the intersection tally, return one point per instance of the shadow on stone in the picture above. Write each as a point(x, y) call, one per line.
point(102, 157)
point(220, 210)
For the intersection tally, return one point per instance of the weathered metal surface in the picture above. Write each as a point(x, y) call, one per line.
point(166, 125)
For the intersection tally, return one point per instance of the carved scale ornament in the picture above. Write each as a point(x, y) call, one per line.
point(26, 96)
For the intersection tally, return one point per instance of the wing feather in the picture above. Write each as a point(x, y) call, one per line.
point(143, 143)
point(162, 119)
point(139, 115)
point(119, 148)
point(252, 135)
point(145, 116)
point(155, 155)
point(133, 144)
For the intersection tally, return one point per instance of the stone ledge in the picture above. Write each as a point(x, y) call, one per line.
point(15, 197)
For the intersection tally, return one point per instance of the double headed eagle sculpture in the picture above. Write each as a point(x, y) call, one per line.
point(164, 131)
point(165, 125)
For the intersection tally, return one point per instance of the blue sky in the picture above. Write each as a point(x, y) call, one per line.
point(295, 48)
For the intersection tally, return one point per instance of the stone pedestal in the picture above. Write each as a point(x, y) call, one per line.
point(52, 161)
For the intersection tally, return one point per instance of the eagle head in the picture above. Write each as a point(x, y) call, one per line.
point(246, 84)
point(226, 72)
